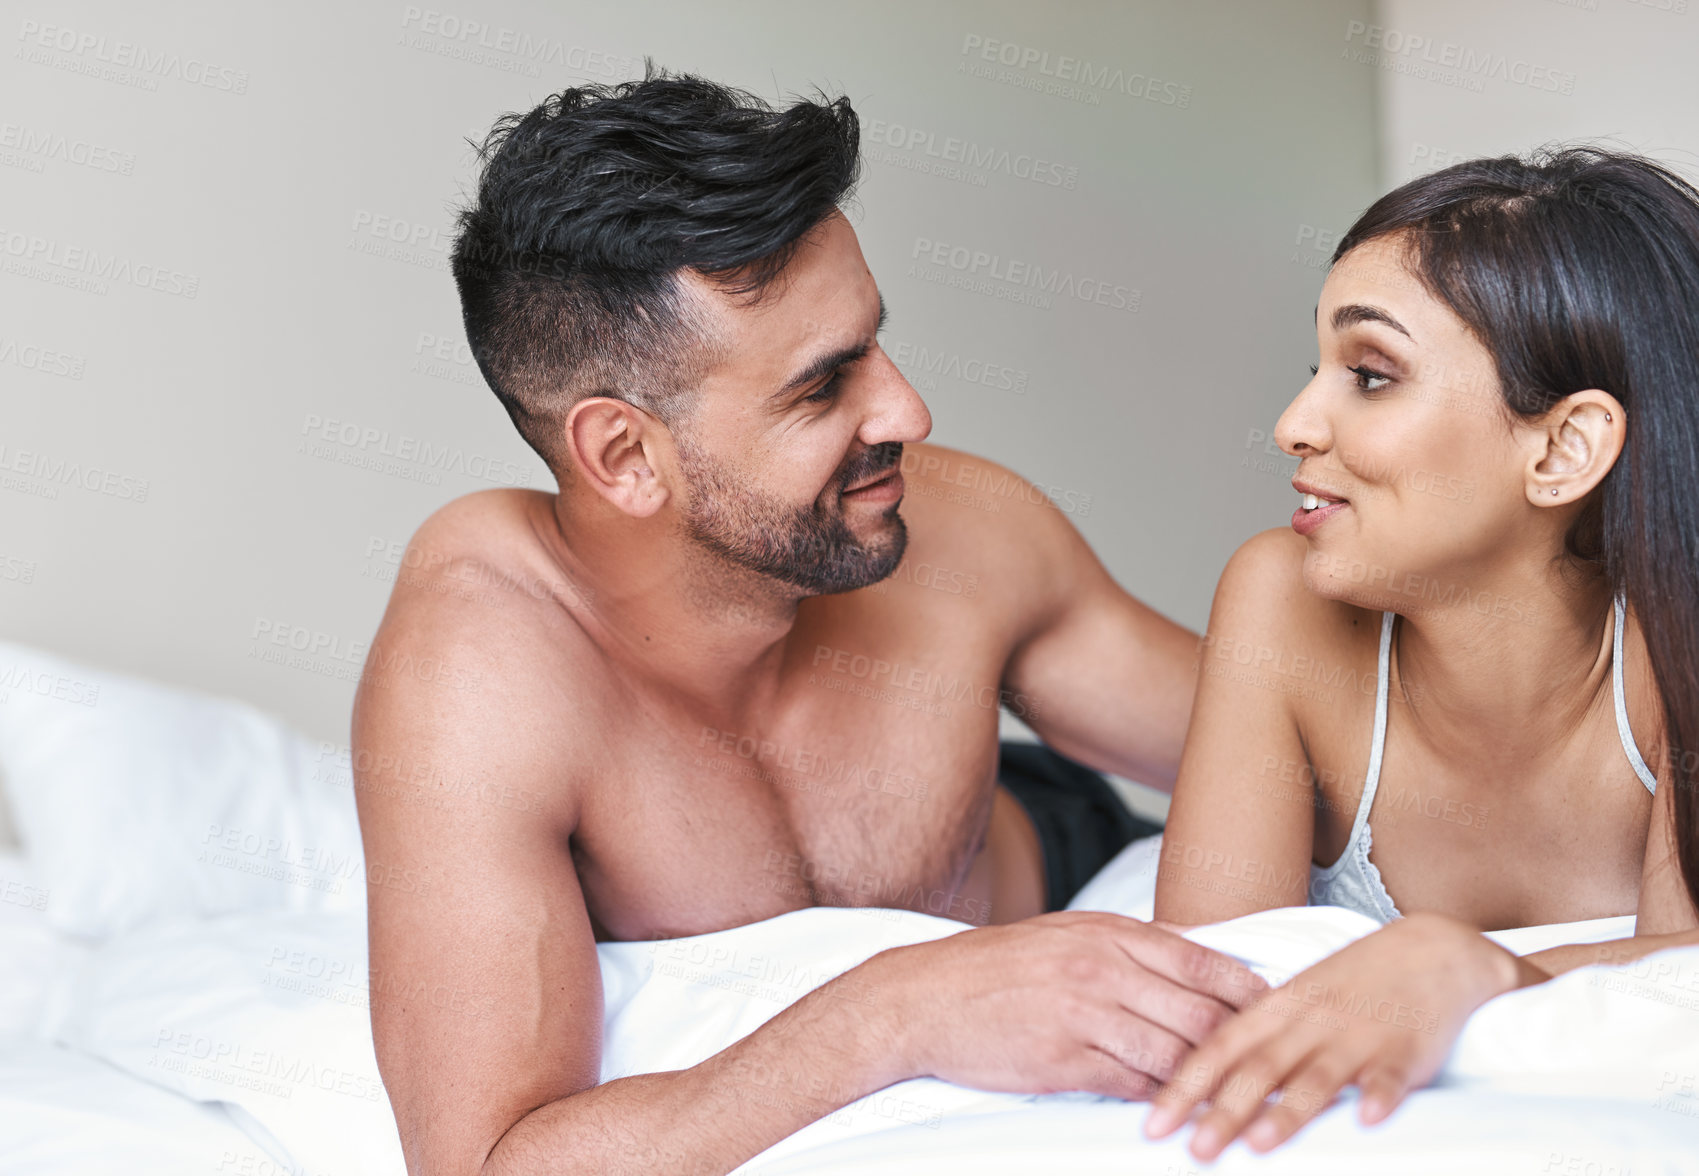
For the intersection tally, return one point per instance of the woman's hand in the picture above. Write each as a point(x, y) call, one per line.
point(1382, 1013)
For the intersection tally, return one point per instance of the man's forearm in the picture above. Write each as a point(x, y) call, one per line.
point(835, 1045)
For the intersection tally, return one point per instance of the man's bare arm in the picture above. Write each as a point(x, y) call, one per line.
point(1102, 677)
point(487, 1001)
point(1069, 1001)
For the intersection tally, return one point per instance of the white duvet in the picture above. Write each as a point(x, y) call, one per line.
point(265, 1013)
point(183, 991)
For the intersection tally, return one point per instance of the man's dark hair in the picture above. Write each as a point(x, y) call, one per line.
point(590, 205)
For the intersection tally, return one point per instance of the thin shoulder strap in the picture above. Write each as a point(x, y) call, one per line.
point(1372, 781)
point(1622, 729)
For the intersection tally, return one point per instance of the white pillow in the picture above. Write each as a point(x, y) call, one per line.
point(35, 958)
point(137, 801)
point(62, 1112)
point(267, 1011)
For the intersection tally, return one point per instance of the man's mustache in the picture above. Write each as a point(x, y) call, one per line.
point(875, 459)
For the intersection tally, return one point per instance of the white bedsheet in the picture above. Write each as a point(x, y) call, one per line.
point(1440, 1133)
point(165, 1008)
point(267, 1011)
point(1591, 1066)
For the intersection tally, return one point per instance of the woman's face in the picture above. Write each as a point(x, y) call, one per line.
point(1405, 442)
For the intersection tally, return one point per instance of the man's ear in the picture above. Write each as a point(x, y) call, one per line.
point(619, 452)
point(1573, 447)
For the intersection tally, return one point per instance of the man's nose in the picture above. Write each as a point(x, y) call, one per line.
point(896, 412)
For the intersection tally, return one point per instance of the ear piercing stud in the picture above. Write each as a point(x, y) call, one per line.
point(1554, 492)
point(1607, 416)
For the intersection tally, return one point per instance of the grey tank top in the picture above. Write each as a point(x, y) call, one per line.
point(1354, 881)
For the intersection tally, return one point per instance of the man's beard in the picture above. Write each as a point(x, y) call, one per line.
point(810, 547)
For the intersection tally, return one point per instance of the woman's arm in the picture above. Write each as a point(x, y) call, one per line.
point(1556, 960)
point(1666, 917)
point(1239, 832)
point(1383, 1013)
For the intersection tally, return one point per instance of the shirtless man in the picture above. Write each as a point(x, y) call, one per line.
point(646, 674)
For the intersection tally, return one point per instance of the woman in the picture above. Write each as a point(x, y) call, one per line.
point(1461, 693)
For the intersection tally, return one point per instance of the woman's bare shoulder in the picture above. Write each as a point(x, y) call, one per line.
point(1268, 619)
point(1268, 577)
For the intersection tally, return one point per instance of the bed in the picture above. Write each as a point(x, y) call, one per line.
point(183, 965)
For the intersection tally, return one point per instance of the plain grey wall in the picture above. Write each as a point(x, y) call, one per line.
point(224, 234)
point(1508, 77)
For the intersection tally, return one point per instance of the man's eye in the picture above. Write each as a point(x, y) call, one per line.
point(828, 390)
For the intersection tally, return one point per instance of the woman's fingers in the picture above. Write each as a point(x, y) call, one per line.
point(1173, 1104)
point(1371, 1013)
point(1310, 1090)
point(1241, 1094)
point(1383, 1087)
point(1199, 1075)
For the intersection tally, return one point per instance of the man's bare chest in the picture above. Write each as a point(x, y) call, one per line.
point(850, 797)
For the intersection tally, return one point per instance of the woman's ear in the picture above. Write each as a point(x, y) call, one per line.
point(618, 451)
point(1574, 446)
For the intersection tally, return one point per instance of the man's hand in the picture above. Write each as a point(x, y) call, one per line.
point(1072, 1000)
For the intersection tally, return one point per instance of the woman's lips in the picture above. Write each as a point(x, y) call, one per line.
point(1305, 521)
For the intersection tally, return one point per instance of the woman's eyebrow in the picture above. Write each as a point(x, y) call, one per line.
point(1359, 312)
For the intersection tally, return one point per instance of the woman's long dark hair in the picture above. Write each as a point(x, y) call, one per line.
point(1579, 268)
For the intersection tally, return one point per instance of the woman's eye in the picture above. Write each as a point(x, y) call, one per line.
point(1369, 380)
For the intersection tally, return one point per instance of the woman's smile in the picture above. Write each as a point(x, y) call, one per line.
point(1315, 508)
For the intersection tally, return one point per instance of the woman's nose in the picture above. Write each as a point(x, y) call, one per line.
point(1302, 428)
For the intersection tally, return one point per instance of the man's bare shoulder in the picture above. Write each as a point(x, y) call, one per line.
point(478, 580)
point(475, 640)
point(483, 559)
point(962, 504)
point(1014, 538)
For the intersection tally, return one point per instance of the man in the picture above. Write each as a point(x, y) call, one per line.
point(657, 677)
